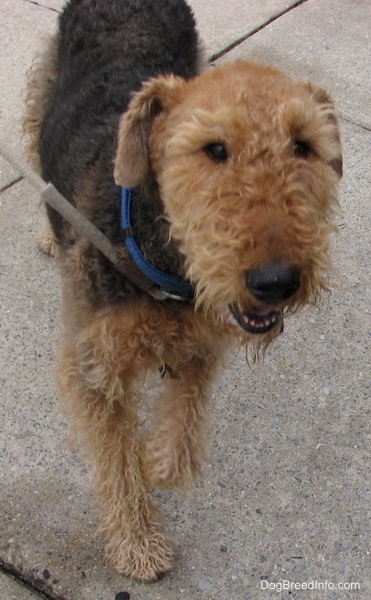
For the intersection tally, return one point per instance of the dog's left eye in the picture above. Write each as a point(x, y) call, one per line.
point(217, 152)
point(301, 149)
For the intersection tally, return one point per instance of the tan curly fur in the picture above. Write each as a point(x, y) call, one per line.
point(101, 374)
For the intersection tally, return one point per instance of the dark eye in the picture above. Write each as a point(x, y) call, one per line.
point(217, 152)
point(301, 149)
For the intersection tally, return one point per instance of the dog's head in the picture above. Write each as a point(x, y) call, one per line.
point(248, 163)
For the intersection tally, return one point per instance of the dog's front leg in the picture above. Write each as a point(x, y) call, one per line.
point(100, 394)
point(174, 450)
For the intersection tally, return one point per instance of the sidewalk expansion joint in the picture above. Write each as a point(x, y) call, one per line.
point(43, 6)
point(256, 30)
point(353, 122)
point(11, 183)
point(29, 582)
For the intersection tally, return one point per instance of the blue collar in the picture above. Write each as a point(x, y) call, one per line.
point(163, 286)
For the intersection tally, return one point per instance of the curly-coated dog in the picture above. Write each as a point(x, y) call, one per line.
point(218, 188)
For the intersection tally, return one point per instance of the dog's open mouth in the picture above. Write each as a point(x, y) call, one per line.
point(258, 321)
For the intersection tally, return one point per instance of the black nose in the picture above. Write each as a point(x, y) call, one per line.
point(274, 283)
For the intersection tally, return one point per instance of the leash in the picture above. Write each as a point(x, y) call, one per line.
point(53, 198)
point(83, 226)
point(126, 265)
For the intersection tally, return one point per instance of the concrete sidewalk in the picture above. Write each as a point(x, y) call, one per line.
point(288, 493)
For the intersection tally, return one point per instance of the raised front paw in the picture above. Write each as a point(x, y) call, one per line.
point(169, 466)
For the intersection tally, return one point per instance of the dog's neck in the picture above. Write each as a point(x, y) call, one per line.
point(146, 237)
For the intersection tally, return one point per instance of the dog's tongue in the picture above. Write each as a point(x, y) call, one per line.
point(263, 311)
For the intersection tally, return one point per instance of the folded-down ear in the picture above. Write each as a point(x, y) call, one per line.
point(156, 97)
point(322, 97)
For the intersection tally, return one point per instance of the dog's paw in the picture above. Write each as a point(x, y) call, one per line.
point(46, 242)
point(145, 558)
point(161, 472)
point(170, 466)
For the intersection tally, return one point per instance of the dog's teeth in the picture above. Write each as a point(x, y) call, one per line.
point(271, 320)
point(254, 322)
point(260, 323)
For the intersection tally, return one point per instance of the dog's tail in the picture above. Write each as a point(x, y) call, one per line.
point(40, 81)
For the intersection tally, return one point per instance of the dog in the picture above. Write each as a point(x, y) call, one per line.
point(218, 188)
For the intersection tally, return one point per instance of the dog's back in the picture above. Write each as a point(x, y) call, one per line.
point(104, 52)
